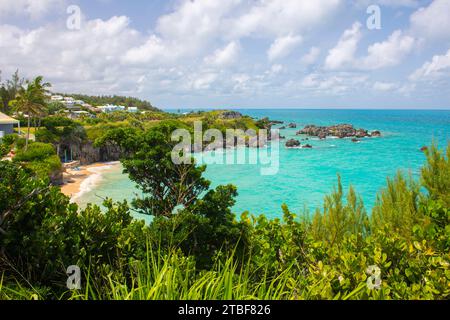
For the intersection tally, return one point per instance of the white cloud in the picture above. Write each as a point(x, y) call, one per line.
point(276, 68)
point(384, 86)
point(241, 82)
point(388, 53)
point(90, 57)
point(204, 81)
point(283, 46)
point(151, 51)
point(388, 3)
point(398, 3)
point(32, 8)
point(281, 17)
point(407, 89)
point(311, 57)
point(343, 53)
point(432, 22)
point(332, 84)
point(435, 68)
point(195, 23)
point(225, 56)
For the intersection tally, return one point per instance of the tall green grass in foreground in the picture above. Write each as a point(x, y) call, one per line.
point(174, 277)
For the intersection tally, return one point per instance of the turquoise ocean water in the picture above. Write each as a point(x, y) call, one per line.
point(305, 175)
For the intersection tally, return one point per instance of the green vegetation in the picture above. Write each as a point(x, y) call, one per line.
point(31, 100)
point(6, 144)
point(41, 159)
point(195, 248)
point(9, 91)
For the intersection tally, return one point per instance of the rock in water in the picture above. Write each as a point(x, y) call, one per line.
point(340, 131)
point(292, 143)
point(292, 126)
point(375, 133)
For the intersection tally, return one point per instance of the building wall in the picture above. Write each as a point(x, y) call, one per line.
point(6, 129)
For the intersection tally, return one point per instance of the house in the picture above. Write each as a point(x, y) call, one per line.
point(57, 98)
point(133, 109)
point(111, 108)
point(79, 114)
point(7, 125)
point(73, 107)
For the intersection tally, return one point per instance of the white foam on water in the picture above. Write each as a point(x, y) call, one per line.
point(93, 180)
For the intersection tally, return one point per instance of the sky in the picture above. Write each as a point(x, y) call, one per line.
point(376, 54)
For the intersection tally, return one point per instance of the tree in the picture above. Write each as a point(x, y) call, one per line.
point(31, 100)
point(166, 185)
point(9, 90)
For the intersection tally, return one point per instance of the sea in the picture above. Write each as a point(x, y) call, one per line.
point(304, 177)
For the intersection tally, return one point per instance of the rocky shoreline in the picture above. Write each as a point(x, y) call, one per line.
point(340, 131)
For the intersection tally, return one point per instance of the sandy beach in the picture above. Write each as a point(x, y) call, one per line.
point(84, 178)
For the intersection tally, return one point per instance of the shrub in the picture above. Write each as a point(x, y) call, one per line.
point(4, 149)
point(36, 152)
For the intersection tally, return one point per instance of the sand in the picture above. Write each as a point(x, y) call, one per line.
point(77, 182)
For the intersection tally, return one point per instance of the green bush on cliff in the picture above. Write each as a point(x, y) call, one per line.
point(40, 158)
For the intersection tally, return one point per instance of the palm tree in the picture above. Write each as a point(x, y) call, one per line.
point(31, 100)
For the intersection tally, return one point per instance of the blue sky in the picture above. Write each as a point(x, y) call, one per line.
point(236, 53)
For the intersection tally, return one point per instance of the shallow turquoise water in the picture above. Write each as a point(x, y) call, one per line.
point(305, 176)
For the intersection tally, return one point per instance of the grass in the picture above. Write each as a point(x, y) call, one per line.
point(172, 277)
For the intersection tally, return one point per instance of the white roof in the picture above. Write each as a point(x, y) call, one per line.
point(4, 119)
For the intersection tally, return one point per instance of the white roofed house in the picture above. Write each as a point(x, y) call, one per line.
point(7, 125)
point(57, 98)
point(111, 108)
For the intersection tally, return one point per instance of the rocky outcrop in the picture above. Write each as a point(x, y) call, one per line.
point(340, 131)
point(292, 126)
point(57, 178)
point(292, 143)
point(307, 146)
point(229, 115)
point(88, 154)
point(375, 133)
point(274, 122)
